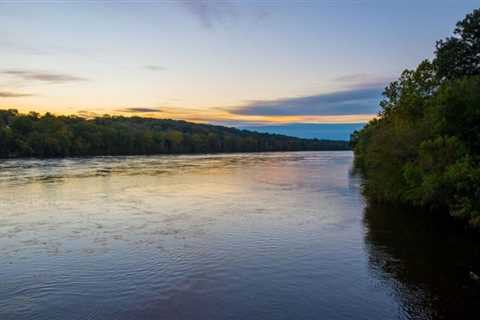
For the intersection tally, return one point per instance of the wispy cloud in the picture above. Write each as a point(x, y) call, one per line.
point(140, 110)
point(360, 95)
point(10, 94)
point(44, 76)
point(88, 114)
point(221, 116)
point(10, 42)
point(18, 43)
point(210, 12)
point(362, 80)
point(153, 67)
point(348, 102)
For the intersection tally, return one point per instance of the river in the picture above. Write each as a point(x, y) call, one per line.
point(241, 236)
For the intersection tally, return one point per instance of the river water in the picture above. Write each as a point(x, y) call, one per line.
point(242, 236)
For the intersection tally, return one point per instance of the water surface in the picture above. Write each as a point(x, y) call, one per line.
point(243, 236)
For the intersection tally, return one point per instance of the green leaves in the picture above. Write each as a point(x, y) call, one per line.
point(424, 149)
point(458, 56)
point(27, 135)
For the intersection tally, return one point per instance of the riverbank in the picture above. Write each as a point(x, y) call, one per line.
point(423, 149)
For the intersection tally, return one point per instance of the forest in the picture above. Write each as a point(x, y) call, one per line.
point(48, 135)
point(423, 148)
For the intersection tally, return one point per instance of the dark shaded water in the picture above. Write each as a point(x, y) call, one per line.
point(245, 236)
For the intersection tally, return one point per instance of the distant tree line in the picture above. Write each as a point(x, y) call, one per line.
point(423, 149)
point(35, 135)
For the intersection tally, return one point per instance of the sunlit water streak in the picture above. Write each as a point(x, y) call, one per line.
point(243, 236)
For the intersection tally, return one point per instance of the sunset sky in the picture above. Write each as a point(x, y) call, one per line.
point(235, 63)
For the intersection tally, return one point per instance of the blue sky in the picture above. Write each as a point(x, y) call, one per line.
point(228, 62)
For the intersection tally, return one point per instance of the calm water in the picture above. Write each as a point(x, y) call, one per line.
point(257, 236)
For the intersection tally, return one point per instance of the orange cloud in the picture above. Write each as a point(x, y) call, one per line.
point(216, 115)
point(212, 115)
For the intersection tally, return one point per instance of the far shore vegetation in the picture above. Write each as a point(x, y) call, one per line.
point(48, 135)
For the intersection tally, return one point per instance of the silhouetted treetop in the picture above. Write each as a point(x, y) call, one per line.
point(460, 55)
point(424, 148)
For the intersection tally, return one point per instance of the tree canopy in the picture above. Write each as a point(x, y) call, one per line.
point(35, 135)
point(423, 149)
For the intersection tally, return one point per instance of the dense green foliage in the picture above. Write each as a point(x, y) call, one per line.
point(424, 147)
point(33, 135)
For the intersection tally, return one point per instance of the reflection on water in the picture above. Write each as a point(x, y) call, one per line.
point(425, 262)
point(244, 236)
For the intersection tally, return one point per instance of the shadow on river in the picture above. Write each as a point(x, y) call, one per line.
point(424, 261)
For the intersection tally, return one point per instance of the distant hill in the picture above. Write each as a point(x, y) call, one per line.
point(333, 131)
point(35, 135)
